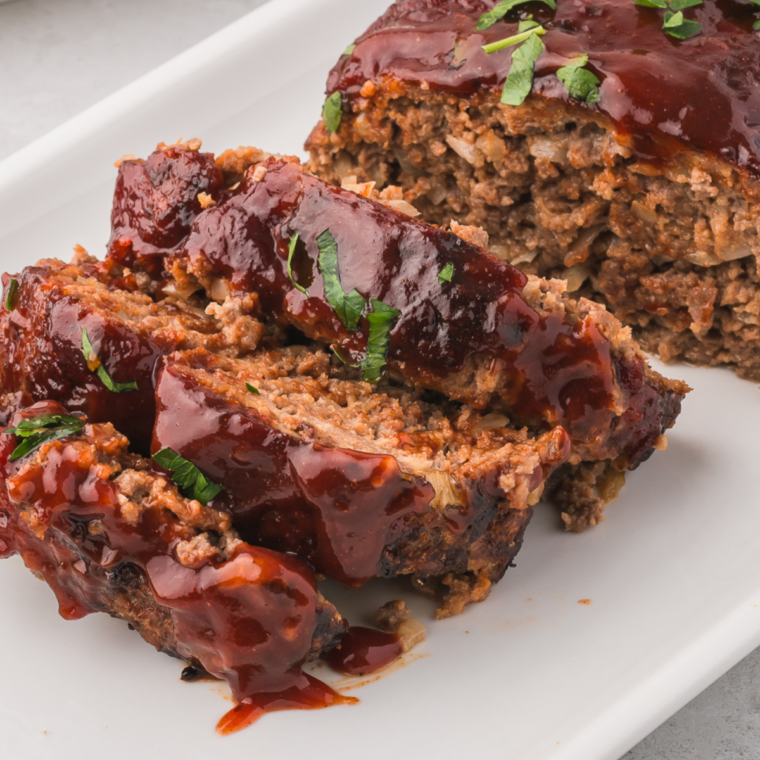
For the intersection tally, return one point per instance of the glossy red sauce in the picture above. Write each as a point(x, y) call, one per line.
point(661, 94)
point(364, 650)
point(338, 509)
point(543, 369)
point(156, 201)
point(249, 619)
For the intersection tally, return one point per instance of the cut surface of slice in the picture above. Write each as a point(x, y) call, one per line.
point(360, 481)
point(109, 533)
point(43, 336)
point(633, 196)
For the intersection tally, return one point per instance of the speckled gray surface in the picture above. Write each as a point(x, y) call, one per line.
point(57, 57)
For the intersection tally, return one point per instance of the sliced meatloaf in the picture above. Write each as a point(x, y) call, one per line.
point(452, 318)
point(359, 481)
point(45, 310)
point(110, 533)
point(641, 191)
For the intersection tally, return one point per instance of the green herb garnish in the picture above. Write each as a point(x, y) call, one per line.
point(291, 250)
point(679, 5)
point(380, 320)
point(191, 481)
point(489, 18)
point(520, 79)
point(523, 35)
point(96, 366)
point(40, 429)
point(10, 301)
point(526, 24)
point(652, 3)
point(580, 83)
point(446, 274)
point(679, 27)
point(252, 389)
point(350, 49)
point(348, 306)
point(332, 112)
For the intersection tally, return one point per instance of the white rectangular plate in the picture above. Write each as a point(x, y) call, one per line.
point(673, 575)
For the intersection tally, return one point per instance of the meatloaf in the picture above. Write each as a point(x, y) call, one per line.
point(361, 482)
point(446, 316)
point(637, 183)
point(45, 310)
point(110, 533)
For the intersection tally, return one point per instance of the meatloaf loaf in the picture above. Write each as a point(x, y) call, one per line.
point(360, 482)
point(630, 169)
point(110, 533)
point(439, 311)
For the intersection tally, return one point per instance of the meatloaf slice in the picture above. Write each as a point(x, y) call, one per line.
point(45, 310)
point(647, 200)
point(457, 320)
point(360, 482)
point(109, 533)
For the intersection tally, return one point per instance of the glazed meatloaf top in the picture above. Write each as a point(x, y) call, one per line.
point(660, 94)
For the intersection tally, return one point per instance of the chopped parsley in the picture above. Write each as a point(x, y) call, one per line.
point(520, 79)
point(291, 250)
point(40, 429)
point(679, 27)
point(380, 320)
point(446, 274)
point(252, 389)
point(10, 301)
point(521, 36)
point(97, 367)
point(350, 49)
point(489, 18)
point(675, 24)
point(191, 481)
point(580, 83)
point(332, 111)
point(348, 306)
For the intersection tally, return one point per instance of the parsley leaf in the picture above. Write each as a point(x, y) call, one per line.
point(489, 18)
point(446, 274)
point(350, 49)
point(677, 5)
point(40, 429)
point(252, 389)
point(520, 79)
point(10, 301)
point(677, 26)
point(348, 306)
point(756, 25)
point(652, 3)
point(528, 23)
point(580, 83)
point(380, 320)
point(191, 481)
point(97, 367)
point(291, 250)
point(332, 112)
point(523, 35)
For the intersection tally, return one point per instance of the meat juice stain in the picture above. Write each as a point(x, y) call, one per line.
point(363, 651)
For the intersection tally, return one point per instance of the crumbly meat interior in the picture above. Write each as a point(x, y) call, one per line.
point(673, 251)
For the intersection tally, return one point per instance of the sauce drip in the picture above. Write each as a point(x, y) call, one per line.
point(661, 94)
point(337, 508)
point(543, 369)
point(250, 618)
point(364, 650)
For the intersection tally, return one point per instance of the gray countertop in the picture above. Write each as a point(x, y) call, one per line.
point(58, 57)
